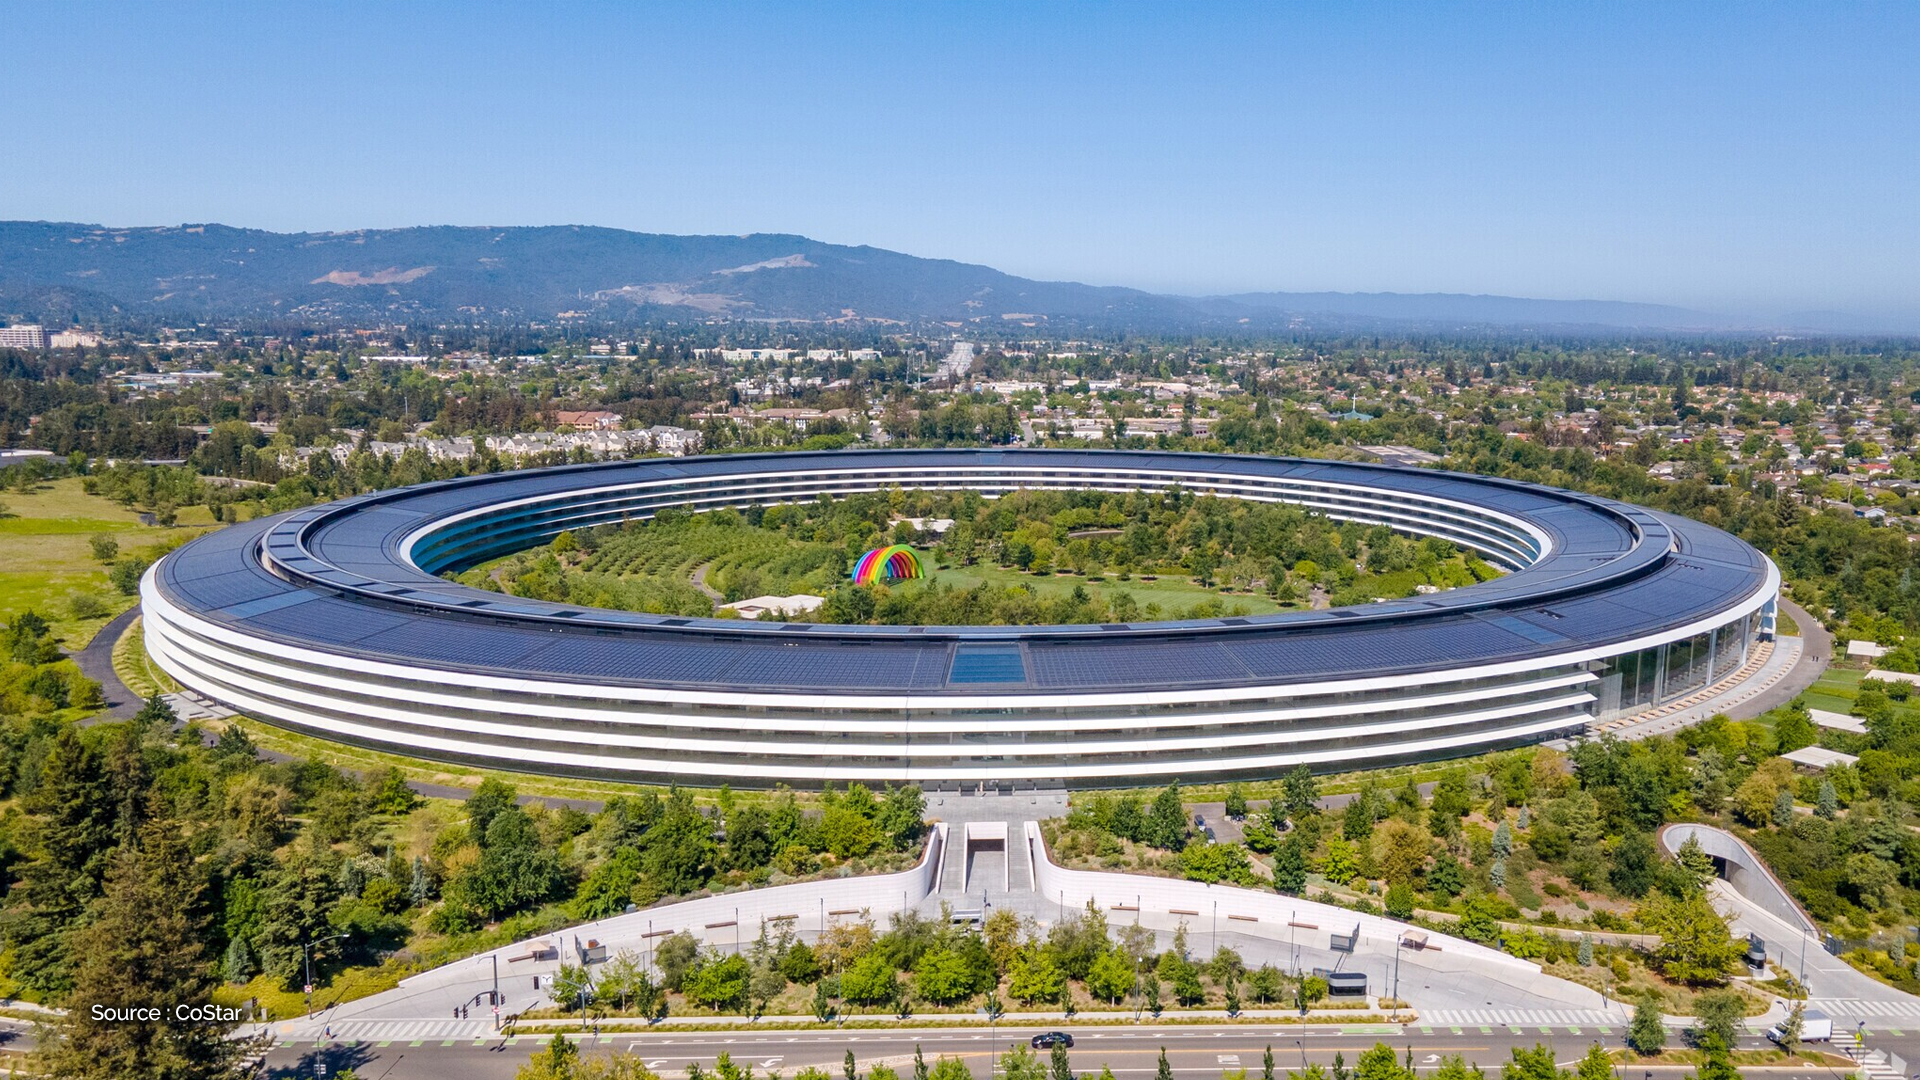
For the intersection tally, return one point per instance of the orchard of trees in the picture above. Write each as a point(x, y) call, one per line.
point(1284, 553)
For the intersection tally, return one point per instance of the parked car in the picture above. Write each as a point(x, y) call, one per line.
point(1049, 1039)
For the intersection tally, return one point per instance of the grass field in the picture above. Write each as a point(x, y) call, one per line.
point(45, 561)
point(1172, 594)
point(1834, 690)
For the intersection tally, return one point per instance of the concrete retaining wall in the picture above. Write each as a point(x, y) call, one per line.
point(719, 921)
point(1263, 914)
point(1745, 871)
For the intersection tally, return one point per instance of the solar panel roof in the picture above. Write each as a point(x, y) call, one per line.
point(1610, 576)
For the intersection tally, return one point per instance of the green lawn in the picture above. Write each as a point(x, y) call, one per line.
point(45, 561)
point(1172, 594)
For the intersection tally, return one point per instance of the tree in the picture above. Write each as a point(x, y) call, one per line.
point(1035, 977)
point(1167, 820)
point(1479, 920)
point(1695, 946)
point(1635, 865)
point(391, 795)
point(1870, 878)
point(1020, 1063)
point(1290, 867)
point(1111, 976)
point(1264, 984)
point(1647, 1034)
point(1718, 1015)
point(1340, 865)
point(1535, 1063)
point(572, 987)
point(675, 956)
point(560, 1061)
point(1402, 852)
point(75, 820)
point(1059, 1067)
point(1596, 1065)
point(718, 982)
point(1455, 1067)
point(1400, 901)
point(1299, 794)
point(870, 981)
point(104, 547)
point(1792, 1026)
point(145, 944)
point(942, 976)
point(1695, 861)
point(1827, 803)
point(1447, 877)
point(515, 869)
point(949, 1068)
point(1236, 801)
point(487, 800)
point(1379, 1062)
point(1163, 1071)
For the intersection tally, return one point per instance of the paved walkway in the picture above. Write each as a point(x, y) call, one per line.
point(96, 663)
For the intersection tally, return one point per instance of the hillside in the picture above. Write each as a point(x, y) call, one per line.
point(519, 273)
point(59, 272)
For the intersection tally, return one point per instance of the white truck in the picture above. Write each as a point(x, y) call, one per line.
point(1815, 1026)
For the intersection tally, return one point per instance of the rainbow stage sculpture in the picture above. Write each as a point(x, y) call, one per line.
point(895, 563)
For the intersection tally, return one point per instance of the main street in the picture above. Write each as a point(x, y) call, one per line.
point(1194, 1051)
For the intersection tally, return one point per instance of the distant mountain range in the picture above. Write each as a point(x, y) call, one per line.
point(57, 272)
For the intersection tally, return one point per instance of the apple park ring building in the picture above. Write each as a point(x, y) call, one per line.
point(332, 621)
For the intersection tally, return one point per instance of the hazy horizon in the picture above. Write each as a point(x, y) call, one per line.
point(1750, 162)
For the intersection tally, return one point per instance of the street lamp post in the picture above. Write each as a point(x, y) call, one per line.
point(1399, 944)
point(307, 960)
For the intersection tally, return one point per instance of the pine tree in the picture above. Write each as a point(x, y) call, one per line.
point(420, 889)
point(919, 1063)
point(1164, 1071)
point(1060, 1068)
point(237, 967)
point(76, 818)
point(1266, 1063)
point(1828, 805)
point(1647, 1034)
point(1290, 867)
point(144, 945)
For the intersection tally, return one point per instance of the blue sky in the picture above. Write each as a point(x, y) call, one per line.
point(1739, 157)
